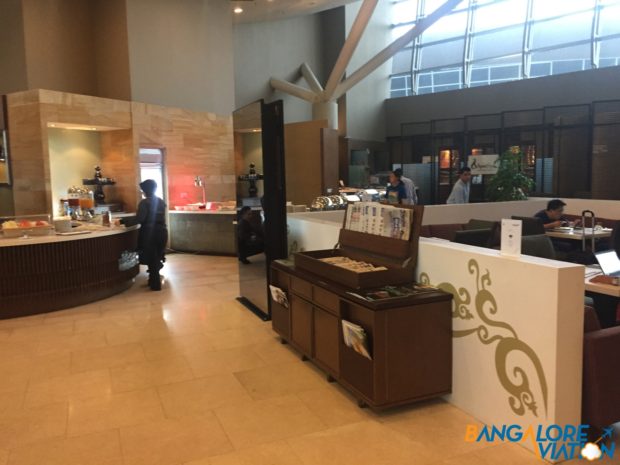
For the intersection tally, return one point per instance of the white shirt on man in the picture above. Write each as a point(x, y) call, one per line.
point(412, 198)
point(460, 193)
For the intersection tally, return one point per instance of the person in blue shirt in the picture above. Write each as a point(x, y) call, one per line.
point(396, 192)
point(460, 191)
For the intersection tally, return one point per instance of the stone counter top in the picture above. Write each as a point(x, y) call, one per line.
point(53, 238)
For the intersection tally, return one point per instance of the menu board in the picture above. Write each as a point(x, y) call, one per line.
point(378, 219)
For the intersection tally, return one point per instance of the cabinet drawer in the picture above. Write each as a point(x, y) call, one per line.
point(328, 300)
point(301, 287)
point(280, 320)
point(280, 279)
point(301, 324)
point(326, 339)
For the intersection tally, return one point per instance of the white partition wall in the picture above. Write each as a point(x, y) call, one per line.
point(518, 333)
point(517, 322)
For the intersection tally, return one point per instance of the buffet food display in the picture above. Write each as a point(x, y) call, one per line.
point(28, 225)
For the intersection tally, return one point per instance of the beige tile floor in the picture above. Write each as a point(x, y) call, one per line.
point(188, 376)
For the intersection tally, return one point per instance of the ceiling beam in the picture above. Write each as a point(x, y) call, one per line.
point(389, 51)
point(293, 89)
point(311, 79)
point(350, 44)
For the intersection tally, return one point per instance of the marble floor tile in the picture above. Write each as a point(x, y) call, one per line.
point(26, 426)
point(364, 443)
point(253, 423)
point(70, 343)
point(34, 334)
point(223, 361)
point(272, 353)
point(274, 453)
point(437, 424)
point(93, 449)
point(150, 374)
point(63, 388)
point(506, 454)
point(334, 407)
point(106, 357)
point(188, 376)
point(112, 411)
point(281, 379)
point(174, 441)
point(188, 344)
point(106, 322)
point(199, 396)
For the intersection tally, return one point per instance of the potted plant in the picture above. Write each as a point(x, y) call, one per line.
point(509, 183)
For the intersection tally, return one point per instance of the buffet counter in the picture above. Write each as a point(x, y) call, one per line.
point(203, 231)
point(45, 273)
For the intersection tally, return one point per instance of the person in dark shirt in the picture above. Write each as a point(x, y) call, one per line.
point(250, 238)
point(553, 216)
point(396, 192)
point(153, 235)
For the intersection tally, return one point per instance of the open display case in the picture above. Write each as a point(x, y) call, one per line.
point(377, 246)
point(26, 225)
point(377, 333)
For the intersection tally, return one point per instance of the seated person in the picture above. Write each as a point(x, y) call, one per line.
point(396, 192)
point(249, 237)
point(553, 217)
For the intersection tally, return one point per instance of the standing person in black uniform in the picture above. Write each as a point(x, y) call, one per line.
point(250, 239)
point(153, 235)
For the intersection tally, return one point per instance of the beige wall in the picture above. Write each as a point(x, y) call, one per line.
point(73, 156)
point(276, 49)
point(180, 53)
point(365, 101)
point(59, 43)
point(12, 55)
point(195, 143)
point(110, 48)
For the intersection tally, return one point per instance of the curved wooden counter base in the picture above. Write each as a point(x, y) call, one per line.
point(42, 277)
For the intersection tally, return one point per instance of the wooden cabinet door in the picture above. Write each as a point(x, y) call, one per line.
point(280, 315)
point(326, 337)
point(301, 324)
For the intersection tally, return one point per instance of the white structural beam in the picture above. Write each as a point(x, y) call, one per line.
point(350, 44)
point(293, 89)
point(311, 79)
point(391, 49)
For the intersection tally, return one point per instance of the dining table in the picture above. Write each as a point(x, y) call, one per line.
point(580, 234)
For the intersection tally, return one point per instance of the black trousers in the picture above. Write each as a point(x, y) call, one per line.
point(605, 307)
point(247, 250)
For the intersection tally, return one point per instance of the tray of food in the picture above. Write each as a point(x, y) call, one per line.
point(30, 225)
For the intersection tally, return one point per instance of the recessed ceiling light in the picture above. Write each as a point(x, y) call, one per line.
point(238, 10)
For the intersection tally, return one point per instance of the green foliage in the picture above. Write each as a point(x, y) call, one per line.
point(510, 183)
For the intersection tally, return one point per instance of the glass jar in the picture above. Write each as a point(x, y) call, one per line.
point(73, 196)
point(87, 199)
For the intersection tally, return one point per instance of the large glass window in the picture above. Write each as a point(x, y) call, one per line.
point(483, 42)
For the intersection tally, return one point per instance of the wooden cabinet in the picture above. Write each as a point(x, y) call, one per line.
point(301, 324)
point(326, 340)
point(409, 339)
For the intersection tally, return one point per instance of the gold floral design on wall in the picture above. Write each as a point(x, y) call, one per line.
point(482, 321)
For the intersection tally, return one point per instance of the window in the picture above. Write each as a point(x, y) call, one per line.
point(152, 167)
point(503, 43)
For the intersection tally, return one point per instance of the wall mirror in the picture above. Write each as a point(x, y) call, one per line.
point(261, 199)
point(5, 171)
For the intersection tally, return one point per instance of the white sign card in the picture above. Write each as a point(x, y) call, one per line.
point(483, 164)
point(511, 238)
